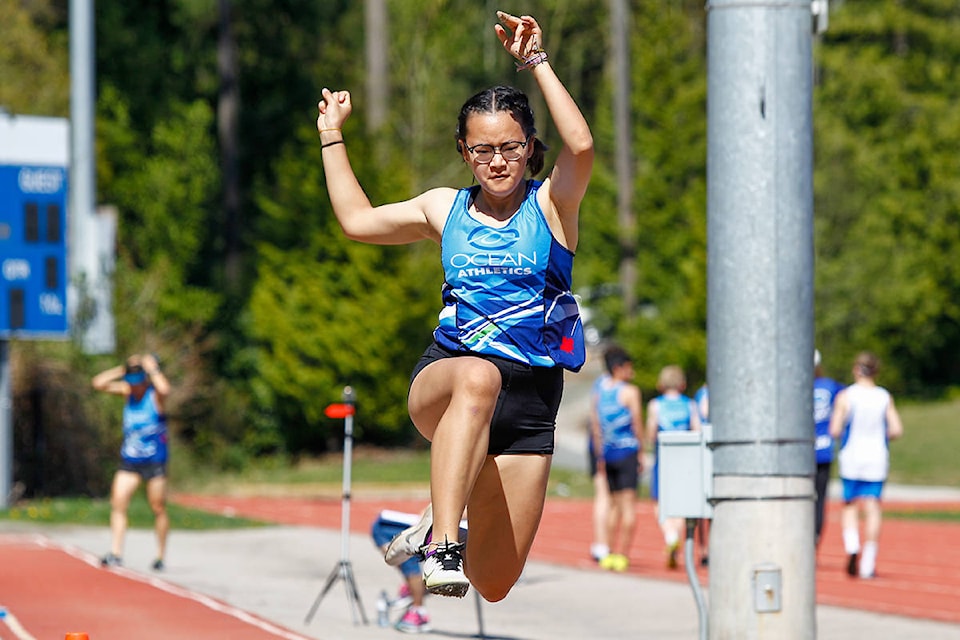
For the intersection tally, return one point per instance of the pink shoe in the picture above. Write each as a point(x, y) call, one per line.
point(414, 621)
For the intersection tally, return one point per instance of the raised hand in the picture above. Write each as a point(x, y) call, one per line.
point(335, 108)
point(522, 36)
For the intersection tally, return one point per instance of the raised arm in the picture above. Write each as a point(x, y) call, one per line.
point(111, 381)
point(568, 180)
point(159, 381)
point(397, 223)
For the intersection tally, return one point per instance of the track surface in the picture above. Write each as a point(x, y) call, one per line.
point(53, 589)
point(918, 565)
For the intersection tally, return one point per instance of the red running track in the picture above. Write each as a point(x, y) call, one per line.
point(918, 566)
point(51, 590)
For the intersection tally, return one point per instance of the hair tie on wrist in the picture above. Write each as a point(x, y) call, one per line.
point(539, 56)
point(330, 144)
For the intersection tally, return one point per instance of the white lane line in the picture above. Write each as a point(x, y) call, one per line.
point(181, 592)
point(7, 617)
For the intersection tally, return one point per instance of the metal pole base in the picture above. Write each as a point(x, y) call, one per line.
point(343, 571)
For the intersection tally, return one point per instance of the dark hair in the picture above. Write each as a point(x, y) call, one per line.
point(504, 98)
point(867, 364)
point(614, 357)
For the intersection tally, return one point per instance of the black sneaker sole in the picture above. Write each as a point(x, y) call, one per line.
point(452, 590)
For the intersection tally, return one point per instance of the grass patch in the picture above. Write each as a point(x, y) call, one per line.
point(927, 453)
point(96, 512)
point(370, 467)
point(936, 515)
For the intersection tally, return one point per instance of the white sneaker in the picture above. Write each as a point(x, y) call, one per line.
point(443, 571)
point(410, 542)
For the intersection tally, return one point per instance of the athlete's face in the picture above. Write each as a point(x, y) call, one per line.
point(500, 176)
point(137, 390)
point(624, 371)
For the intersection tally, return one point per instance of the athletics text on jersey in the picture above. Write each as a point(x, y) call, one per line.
point(506, 290)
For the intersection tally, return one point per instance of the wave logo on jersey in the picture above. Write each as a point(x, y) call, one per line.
point(487, 239)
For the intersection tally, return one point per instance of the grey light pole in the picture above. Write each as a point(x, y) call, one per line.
point(760, 317)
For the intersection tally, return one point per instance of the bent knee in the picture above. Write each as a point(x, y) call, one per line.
point(493, 583)
point(493, 592)
point(478, 378)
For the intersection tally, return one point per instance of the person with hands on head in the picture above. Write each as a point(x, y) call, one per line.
point(143, 453)
point(486, 392)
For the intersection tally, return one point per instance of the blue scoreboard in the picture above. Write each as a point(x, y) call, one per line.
point(33, 251)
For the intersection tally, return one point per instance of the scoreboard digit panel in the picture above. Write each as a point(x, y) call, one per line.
point(33, 252)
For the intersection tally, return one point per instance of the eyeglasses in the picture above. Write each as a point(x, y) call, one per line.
point(509, 151)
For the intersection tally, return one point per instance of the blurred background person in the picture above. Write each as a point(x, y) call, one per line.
point(670, 411)
point(143, 453)
point(616, 424)
point(865, 418)
point(825, 392)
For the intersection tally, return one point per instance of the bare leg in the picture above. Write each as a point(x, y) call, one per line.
point(873, 519)
point(601, 507)
point(505, 509)
point(849, 519)
point(624, 501)
point(125, 483)
point(417, 589)
point(452, 403)
point(613, 522)
point(157, 497)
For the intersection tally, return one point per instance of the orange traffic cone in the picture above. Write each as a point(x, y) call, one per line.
point(77, 636)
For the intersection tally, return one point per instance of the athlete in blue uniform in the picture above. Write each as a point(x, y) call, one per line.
point(617, 423)
point(825, 392)
point(670, 411)
point(143, 454)
point(486, 392)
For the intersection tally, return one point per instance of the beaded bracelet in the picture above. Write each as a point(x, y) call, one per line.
point(539, 56)
point(330, 144)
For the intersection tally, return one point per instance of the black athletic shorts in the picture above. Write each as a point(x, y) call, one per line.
point(526, 414)
point(623, 474)
point(147, 470)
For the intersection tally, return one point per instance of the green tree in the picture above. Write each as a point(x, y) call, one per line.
point(34, 61)
point(887, 194)
point(669, 147)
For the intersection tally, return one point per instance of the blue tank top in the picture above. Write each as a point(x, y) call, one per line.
point(825, 392)
point(616, 423)
point(144, 430)
point(506, 290)
point(673, 413)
